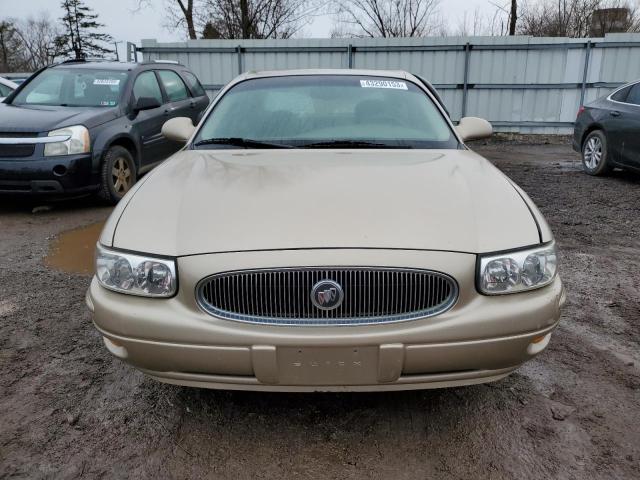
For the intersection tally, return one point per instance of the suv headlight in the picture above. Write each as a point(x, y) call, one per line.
point(517, 271)
point(78, 141)
point(135, 274)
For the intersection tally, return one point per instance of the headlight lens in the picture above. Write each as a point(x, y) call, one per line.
point(135, 274)
point(78, 142)
point(518, 271)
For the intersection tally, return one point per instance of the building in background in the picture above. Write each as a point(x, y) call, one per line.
point(609, 20)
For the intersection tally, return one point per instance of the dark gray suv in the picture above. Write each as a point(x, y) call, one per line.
point(92, 127)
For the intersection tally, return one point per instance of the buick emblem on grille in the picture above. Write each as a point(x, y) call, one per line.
point(327, 295)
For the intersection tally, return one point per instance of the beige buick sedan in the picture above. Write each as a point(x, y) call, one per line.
point(326, 230)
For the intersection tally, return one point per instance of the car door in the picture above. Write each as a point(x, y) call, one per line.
point(622, 124)
point(200, 97)
point(630, 128)
point(148, 123)
point(180, 102)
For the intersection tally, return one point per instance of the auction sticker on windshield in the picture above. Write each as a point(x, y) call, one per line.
point(106, 81)
point(383, 84)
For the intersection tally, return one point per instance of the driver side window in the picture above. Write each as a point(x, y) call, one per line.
point(146, 85)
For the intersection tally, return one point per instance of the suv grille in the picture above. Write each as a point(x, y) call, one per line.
point(20, 150)
point(17, 150)
point(283, 296)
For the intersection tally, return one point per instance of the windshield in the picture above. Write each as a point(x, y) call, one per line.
point(345, 111)
point(73, 87)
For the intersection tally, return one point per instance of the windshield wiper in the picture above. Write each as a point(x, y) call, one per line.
point(350, 144)
point(241, 142)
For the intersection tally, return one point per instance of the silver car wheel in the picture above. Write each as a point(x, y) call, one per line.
point(121, 174)
point(592, 153)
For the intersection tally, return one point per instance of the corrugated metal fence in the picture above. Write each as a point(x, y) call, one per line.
point(520, 84)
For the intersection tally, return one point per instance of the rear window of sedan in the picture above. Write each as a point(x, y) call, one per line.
point(310, 109)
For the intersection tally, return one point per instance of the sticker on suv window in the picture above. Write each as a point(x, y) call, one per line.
point(383, 84)
point(106, 81)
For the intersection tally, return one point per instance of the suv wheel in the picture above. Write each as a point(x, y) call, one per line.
point(595, 158)
point(117, 175)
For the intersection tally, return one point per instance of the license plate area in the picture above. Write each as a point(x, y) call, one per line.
point(327, 365)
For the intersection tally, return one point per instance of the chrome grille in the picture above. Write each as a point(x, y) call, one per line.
point(283, 296)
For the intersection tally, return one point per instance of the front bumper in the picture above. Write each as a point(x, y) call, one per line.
point(480, 339)
point(39, 175)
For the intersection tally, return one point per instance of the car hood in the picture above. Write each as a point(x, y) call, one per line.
point(38, 118)
point(206, 201)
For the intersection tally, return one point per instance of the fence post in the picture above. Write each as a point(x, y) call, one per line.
point(585, 73)
point(239, 53)
point(350, 54)
point(132, 53)
point(465, 85)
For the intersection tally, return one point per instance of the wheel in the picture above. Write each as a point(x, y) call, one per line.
point(117, 174)
point(595, 157)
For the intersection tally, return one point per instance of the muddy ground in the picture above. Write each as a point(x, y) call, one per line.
point(68, 409)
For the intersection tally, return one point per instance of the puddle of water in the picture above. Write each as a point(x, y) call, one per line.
point(73, 251)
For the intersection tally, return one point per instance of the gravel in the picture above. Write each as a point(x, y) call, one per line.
point(68, 409)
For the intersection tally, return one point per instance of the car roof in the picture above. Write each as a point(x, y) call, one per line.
point(8, 83)
point(113, 65)
point(328, 71)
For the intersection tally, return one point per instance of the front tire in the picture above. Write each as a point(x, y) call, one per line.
point(595, 154)
point(117, 174)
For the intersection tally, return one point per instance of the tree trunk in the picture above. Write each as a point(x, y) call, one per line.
point(5, 56)
point(244, 15)
point(79, 50)
point(191, 28)
point(513, 17)
point(188, 17)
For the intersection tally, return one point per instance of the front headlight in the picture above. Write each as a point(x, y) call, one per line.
point(78, 141)
point(135, 274)
point(518, 271)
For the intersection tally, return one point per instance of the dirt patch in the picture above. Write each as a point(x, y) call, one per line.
point(514, 139)
point(73, 251)
point(68, 409)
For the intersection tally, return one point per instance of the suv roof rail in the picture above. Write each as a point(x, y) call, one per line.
point(84, 60)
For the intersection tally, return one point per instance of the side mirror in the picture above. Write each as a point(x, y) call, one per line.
point(474, 128)
point(178, 129)
point(146, 103)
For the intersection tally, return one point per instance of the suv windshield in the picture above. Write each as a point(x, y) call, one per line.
point(73, 87)
point(345, 111)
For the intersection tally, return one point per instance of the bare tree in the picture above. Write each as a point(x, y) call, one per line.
point(573, 18)
point(483, 22)
point(237, 18)
point(257, 18)
point(183, 15)
point(27, 45)
point(37, 38)
point(388, 18)
point(8, 46)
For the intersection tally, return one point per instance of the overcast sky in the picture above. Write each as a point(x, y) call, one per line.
point(126, 25)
